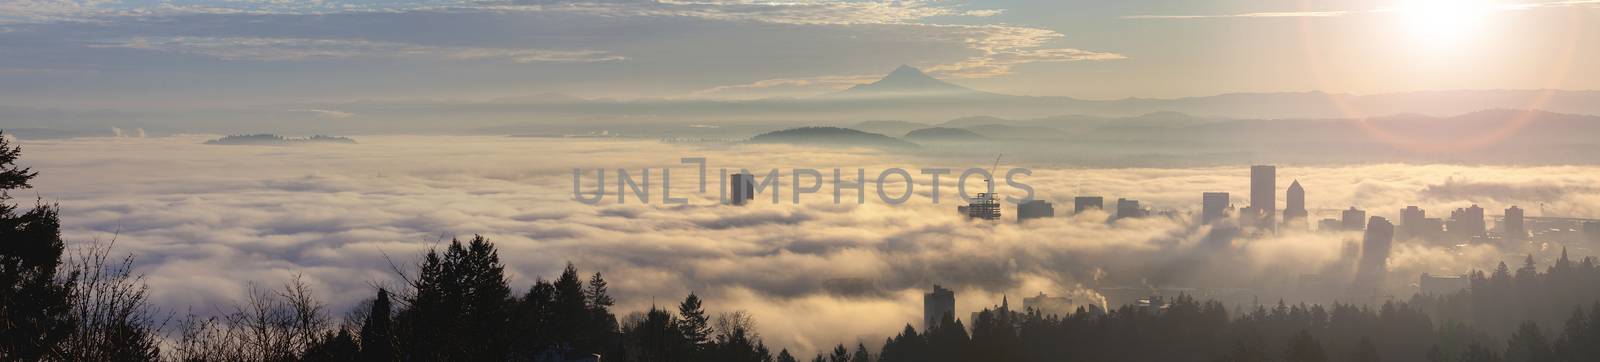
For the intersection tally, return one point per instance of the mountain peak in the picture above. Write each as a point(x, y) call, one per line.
point(908, 81)
point(906, 71)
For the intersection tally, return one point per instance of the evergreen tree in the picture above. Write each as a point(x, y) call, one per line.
point(377, 339)
point(696, 326)
point(784, 356)
point(1528, 344)
point(602, 326)
point(861, 354)
point(840, 354)
point(460, 311)
point(34, 301)
point(1304, 348)
point(1365, 352)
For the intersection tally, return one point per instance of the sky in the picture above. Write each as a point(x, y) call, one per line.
point(184, 54)
point(206, 223)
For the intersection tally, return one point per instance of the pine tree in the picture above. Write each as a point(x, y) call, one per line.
point(1304, 348)
point(1528, 344)
point(696, 326)
point(34, 302)
point(840, 354)
point(460, 310)
point(861, 354)
point(377, 339)
point(784, 356)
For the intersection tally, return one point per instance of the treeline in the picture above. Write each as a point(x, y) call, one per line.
point(1499, 301)
point(1191, 330)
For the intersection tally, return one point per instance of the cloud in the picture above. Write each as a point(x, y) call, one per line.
point(205, 220)
point(1280, 14)
point(302, 49)
point(1341, 13)
point(998, 49)
point(329, 114)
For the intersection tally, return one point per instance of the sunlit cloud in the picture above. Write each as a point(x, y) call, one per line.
point(1400, 6)
point(299, 49)
point(1279, 14)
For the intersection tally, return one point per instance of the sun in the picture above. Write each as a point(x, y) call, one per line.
point(1436, 21)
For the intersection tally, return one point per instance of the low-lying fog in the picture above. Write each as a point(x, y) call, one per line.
point(205, 220)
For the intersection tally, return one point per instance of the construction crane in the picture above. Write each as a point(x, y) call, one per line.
point(996, 165)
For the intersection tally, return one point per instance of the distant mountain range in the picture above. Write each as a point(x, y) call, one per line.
point(905, 95)
point(831, 136)
point(276, 140)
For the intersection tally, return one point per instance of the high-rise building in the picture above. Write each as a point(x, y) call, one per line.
point(1443, 285)
point(1048, 305)
point(1468, 222)
point(1129, 208)
point(1330, 225)
point(1515, 229)
point(984, 207)
point(1375, 247)
point(935, 305)
point(1081, 203)
point(1354, 219)
point(741, 188)
point(1263, 197)
point(1213, 206)
point(1294, 208)
point(1034, 209)
point(1412, 221)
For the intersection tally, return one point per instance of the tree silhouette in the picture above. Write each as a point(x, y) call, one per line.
point(35, 310)
point(377, 331)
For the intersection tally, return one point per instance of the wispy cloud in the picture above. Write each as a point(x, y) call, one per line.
point(1276, 14)
point(299, 49)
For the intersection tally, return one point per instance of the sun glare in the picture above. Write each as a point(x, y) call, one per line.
point(1443, 21)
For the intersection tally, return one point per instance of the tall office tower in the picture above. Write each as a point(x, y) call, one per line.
point(1514, 228)
point(1412, 222)
point(1295, 203)
point(741, 188)
point(1375, 246)
point(1034, 209)
point(1329, 225)
point(1128, 208)
point(1468, 222)
point(984, 206)
point(1263, 196)
point(935, 305)
point(1355, 219)
point(1213, 206)
point(1081, 203)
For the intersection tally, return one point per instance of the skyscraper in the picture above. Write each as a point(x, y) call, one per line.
point(1128, 208)
point(1294, 208)
point(984, 206)
point(1081, 203)
point(1213, 206)
point(1413, 221)
point(1468, 222)
point(936, 304)
point(1355, 219)
point(1514, 227)
point(741, 188)
point(1034, 209)
point(1375, 246)
point(1263, 199)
